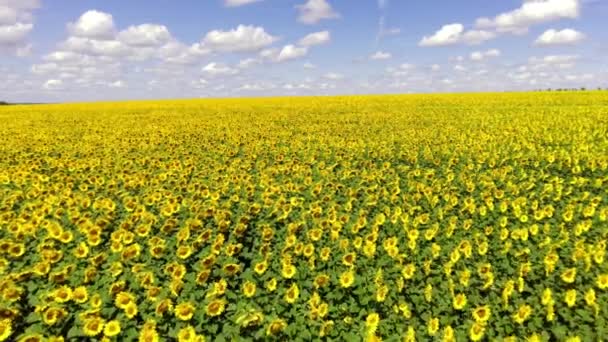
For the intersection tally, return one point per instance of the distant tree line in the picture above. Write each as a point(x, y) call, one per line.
point(3, 103)
point(570, 89)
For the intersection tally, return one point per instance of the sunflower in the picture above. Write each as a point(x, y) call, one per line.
point(163, 306)
point(433, 326)
point(292, 293)
point(569, 275)
point(276, 327)
point(448, 334)
point(124, 299)
point(371, 322)
point(321, 280)
point(459, 301)
point(482, 314)
point(215, 307)
point(148, 334)
point(63, 294)
point(184, 311)
point(347, 279)
point(522, 314)
point(131, 310)
point(261, 267)
point(6, 329)
point(570, 298)
point(271, 285)
point(602, 281)
point(31, 338)
point(112, 328)
point(93, 326)
point(408, 271)
point(349, 259)
point(186, 334)
point(288, 271)
point(52, 315)
point(590, 297)
point(249, 289)
point(477, 331)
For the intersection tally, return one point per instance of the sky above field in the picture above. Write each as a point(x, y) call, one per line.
point(66, 50)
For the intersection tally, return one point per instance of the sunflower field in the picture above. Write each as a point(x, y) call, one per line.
point(477, 217)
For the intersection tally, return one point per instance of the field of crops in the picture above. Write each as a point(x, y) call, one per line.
point(425, 217)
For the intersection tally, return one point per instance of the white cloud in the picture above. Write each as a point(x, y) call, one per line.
point(531, 12)
point(94, 25)
point(309, 65)
point(380, 55)
point(287, 53)
point(333, 76)
point(13, 34)
point(96, 47)
point(218, 69)
point(237, 3)
point(53, 84)
point(16, 23)
point(314, 11)
point(145, 35)
point(435, 67)
point(455, 34)
point(482, 55)
point(248, 63)
point(316, 38)
point(563, 37)
point(242, 39)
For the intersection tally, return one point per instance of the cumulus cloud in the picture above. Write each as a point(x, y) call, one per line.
point(380, 55)
point(316, 38)
point(562, 37)
point(455, 34)
point(482, 55)
point(314, 11)
point(16, 23)
point(531, 12)
point(53, 84)
point(219, 69)
point(333, 76)
point(244, 38)
point(145, 35)
point(94, 24)
point(287, 53)
point(238, 3)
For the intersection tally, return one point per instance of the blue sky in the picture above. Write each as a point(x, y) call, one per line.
point(66, 50)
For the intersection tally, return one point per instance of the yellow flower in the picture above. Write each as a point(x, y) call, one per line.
point(184, 311)
point(347, 279)
point(215, 307)
point(131, 310)
point(31, 338)
point(477, 331)
point(187, 334)
point(408, 271)
point(112, 328)
point(93, 326)
point(590, 297)
point(261, 267)
point(249, 289)
point(288, 271)
point(602, 281)
point(433, 326)
point(522, 313)
point(63, 294)
point(570, 298)
point(569, 275)
point(482, 314)
point(459, 301)
point(80, 295)
point(271, 285)
point(448, 334)
point(276, 327)
point(371, 322)
point(292, 294)
point(6, 329)
point(124, 299)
